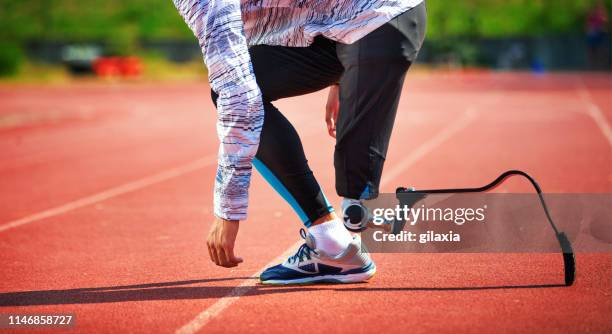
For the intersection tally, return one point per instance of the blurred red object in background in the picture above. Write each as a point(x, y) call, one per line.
point(130, 66)
point(118, 66)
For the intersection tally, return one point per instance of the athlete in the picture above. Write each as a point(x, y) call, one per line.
point(259, 51)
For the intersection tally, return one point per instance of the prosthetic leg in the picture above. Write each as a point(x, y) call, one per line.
point(357, 218)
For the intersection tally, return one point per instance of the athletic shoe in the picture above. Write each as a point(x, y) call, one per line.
point(310, 265)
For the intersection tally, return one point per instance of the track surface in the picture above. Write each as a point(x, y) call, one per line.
point(106, 193)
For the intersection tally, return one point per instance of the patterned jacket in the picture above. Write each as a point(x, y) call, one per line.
point(225, 29)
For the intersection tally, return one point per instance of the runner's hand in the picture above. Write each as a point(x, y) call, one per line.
point(221, 240)
point(331, 109)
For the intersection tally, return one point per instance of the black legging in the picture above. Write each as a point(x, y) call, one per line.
point(371, 74)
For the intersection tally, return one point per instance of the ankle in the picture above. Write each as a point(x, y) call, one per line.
point(330, 236)
point(324, 219)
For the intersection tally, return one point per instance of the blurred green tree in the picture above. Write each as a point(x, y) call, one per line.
point(110, 20)
point(505, 18)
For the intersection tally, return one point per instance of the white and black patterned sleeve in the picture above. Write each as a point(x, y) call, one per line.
point(218, 26)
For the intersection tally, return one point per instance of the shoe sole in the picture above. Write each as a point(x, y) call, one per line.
point(342, 279)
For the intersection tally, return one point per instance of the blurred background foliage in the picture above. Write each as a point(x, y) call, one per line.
point(124, 26)
point(135, 20)
point(99, 20)
point(505, 18)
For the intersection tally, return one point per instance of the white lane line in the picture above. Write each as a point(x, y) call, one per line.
point(595, 112)
point(122, 189)
point(466, 118)
point(599, 118)
point(224, 302)
point(113, 192)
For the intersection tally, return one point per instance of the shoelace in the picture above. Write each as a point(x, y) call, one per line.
point(302, 252)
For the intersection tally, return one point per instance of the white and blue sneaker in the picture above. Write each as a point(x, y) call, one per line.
point(311, 265)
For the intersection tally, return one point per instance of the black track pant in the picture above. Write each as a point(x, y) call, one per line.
point(371, 74)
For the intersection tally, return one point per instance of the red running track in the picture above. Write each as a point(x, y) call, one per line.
point(106, 197)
